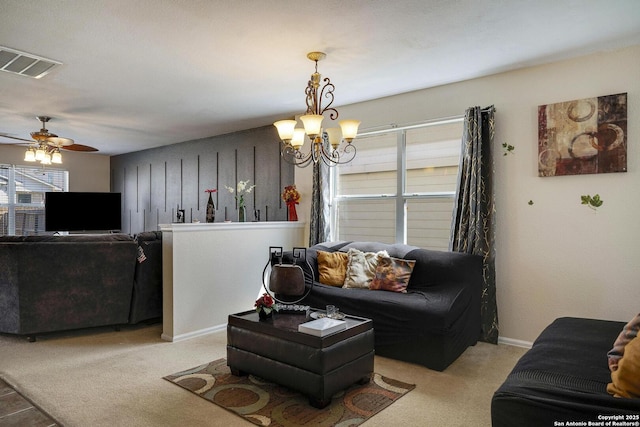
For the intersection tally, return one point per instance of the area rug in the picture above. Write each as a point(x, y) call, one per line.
point(267, 404)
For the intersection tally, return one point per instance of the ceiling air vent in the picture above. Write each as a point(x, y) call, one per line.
point(25, 64)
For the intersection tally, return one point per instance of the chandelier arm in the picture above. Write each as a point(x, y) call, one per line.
point(327, 92)
point(335, 157)
point(295, 157)
point(350, 151)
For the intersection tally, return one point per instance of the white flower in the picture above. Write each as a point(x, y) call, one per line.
point(242, 188)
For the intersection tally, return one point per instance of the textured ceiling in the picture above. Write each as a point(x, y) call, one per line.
point(145, 73)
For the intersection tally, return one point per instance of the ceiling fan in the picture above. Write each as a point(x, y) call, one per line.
point(45, 146)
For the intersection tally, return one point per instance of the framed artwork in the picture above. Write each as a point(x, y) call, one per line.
point(583, 136)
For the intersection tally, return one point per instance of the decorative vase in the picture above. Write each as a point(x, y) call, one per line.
point(292, 215)
point(211, 210)
point(263, 315)
point(242, 214)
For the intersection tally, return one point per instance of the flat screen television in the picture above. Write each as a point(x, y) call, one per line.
point(82, 211)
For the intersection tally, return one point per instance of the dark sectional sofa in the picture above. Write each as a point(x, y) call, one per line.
point(562, 379)
point(56, 283)
point(146, 298)
point(431, 324)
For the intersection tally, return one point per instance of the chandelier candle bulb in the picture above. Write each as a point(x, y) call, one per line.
point(285, 129)
point(312, 124)
point(349, 129)
point(335, 137)
point(298, 138)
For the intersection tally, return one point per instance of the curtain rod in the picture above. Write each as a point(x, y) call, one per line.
point(433, 122)
point(394, 127)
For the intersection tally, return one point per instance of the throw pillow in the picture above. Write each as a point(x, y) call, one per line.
point(332, 267)
point(361, 268)
point(629, 332)
point(625, 380)
point(392, 274)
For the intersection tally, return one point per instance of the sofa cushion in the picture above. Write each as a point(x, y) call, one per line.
point(361, 268)
point(629, 332)
point(625, 380)
point(392, 274)
point(397, 317)
point(332, 267)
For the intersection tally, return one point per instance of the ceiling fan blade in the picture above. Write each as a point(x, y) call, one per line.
point(15, 137)
point(78, 147)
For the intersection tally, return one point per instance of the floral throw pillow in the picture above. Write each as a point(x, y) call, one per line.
point(629, 332)
point(392, 274)
point(361, 268)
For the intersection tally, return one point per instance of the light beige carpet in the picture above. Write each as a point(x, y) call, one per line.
point(100, 377)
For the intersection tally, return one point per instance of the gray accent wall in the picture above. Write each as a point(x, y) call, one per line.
point(155, 183)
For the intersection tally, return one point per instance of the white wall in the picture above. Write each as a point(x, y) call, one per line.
point(555, 257)
point(87, 171)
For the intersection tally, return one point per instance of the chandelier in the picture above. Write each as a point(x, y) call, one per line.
point(326, 144)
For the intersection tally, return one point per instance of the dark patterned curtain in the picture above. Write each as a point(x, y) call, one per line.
point(473, 228)
point(319, 221)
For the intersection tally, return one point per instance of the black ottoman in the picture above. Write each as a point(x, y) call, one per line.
point(316, 366)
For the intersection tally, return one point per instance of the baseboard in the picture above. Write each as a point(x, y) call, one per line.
point(514, 342)
point(199, 333)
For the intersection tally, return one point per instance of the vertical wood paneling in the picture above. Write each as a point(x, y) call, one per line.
point(137, 189)
point(217, 179)
point(150, 187)
point(178, 175)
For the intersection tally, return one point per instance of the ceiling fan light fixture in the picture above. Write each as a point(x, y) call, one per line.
point(40, 153)
point(56, 157)
point(47, 159)
point(30, 155)
point(46, 142)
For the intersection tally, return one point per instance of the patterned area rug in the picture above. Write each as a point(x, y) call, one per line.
point(268, 404)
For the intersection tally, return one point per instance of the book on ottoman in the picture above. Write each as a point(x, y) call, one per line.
point(322, 327)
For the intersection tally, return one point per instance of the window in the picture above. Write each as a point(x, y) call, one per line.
point(22, 191)
point(401, 186)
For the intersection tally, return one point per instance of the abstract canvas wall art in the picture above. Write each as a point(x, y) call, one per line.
point(584, 136)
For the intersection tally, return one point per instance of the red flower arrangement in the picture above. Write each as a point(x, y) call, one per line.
point(291, 195)
point(265, 305)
